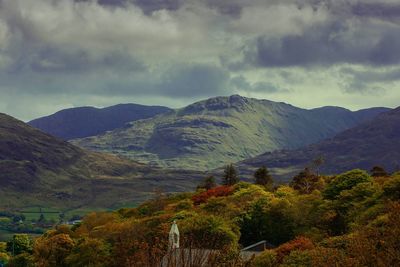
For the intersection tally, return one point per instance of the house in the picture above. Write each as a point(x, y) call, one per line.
point(190, 257)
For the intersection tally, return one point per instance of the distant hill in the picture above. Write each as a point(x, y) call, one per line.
point(87, 121)
point(375, 142)
point(219, 130)
point(40, 170)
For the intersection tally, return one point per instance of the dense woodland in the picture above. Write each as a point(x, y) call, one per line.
point(351, 219)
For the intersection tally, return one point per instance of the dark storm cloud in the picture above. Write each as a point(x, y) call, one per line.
point(148, 6)
point(50, 59)
point(327, 44)
point(378, 10)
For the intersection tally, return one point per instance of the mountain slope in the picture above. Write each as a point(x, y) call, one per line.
point(87, 121)
point(375, 142)
point(40, 170)
point(213, 132)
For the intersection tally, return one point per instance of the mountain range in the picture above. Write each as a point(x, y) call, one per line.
point(213, 132)
point(87, 121)
point(38, 169)
point(374, 142)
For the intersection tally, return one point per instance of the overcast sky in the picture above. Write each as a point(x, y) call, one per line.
point(56, 54)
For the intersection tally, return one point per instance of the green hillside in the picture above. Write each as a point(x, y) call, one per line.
point(214, 132)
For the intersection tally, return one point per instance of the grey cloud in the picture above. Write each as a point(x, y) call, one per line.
point(178, 81)
point(360, 87)
point(195, 80)
point(368, 80)
point(240, 83)
point(51, 60)
point(368, 76)
point(267, 87)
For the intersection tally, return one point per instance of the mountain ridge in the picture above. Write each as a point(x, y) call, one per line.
point(227, 129)
point(87, 121)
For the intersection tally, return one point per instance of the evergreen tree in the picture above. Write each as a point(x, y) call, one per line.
point(378, 171)
point(42, 219)
point(230, 175)
point(207, 183)
point(262, 176)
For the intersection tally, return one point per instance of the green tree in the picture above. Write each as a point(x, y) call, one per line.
point(209, 232)
point(273, 222)
point(230, 175)
point(262, 177)
point(345, 181)
point(20, 243)
point(207, 183)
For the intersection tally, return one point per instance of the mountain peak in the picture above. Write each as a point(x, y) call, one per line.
point(218, 103)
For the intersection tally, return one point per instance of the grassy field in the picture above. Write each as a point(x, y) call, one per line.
point(33, 213)
point(5, 235)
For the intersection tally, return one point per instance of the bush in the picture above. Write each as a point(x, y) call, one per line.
point(265, 259)
point(21, 260)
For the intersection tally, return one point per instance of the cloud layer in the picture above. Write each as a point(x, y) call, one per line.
point(62, 53)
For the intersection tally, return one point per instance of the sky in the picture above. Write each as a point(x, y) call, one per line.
point(57, 54)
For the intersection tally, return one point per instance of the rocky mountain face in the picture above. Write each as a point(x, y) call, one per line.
point(87, 121)
point(40, 170)
point(374, 142)
point(220, 130)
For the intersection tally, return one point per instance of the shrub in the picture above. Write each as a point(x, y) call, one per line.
point(297, 258)
point(220, 191)
point(391, 188)
point(300, 243)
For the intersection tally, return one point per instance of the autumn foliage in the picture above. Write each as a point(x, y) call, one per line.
point(220, 191)
point(350, 219)
point(299, 243)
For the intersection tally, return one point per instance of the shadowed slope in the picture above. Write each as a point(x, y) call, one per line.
point(87, 121)
point(375, 142)
point(38, 169)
